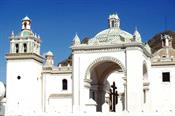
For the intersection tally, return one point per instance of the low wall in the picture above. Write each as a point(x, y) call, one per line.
point(102, 114)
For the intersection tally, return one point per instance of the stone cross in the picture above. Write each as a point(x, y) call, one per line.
point(113, 96)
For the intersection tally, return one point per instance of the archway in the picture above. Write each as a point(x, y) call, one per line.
point(102, 73)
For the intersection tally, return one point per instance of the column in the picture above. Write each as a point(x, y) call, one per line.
point(20, 47)
point(125, 94)
point(76, 84)
point(28, 47)
point(146, 95)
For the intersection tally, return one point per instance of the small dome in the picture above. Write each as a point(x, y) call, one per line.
point(2, 90)
point(163, 52)
point(49, 53)
point(26, 33)
point(114, 34)
point(26, 18)
point(114, 15)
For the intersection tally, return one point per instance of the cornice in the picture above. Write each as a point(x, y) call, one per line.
point(28, 37)
point(162, 63)
point(57, 70)
point(24, 56)
point(60, 95)
point(109, 48)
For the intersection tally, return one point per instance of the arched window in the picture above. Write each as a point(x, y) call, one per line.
point(25, 25)
point(113, 24)
point(64, 84)
point(17, 48)
point(25, 47)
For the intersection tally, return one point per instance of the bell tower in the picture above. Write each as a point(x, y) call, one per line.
point(26, 41)
point(24, 67)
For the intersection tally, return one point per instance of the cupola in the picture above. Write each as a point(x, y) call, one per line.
point(49, 59)
point(114, 21)
point(26, 23)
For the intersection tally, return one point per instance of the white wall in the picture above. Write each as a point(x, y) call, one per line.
point(162, 93)
point(134, 80)
point(23, 95)
point(57, 99)
point(135, 58)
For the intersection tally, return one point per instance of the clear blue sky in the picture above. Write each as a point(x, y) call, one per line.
point(57, 21)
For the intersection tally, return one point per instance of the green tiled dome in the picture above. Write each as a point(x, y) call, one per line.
point(26, 33)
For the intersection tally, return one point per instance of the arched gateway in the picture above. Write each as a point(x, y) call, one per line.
point(112, 59)
point(100, 75)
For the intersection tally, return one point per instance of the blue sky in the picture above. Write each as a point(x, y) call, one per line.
point(57, 21)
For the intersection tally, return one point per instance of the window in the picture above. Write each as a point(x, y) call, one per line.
point(17, 48)
point(163, 56)
point(25, 47)
point(163, 42)
point(25, 25)
point(166, 77)
point(144, 96)
point(18, 77)
point(64, 84)
point(113, 24)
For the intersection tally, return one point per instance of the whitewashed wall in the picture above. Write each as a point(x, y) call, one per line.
point(135, 58)
point(162, 93)
point(57, 99)
point(23, 95)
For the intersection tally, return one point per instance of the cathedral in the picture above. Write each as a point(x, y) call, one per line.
point(112, 73)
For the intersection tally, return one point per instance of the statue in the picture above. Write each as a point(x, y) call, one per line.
point(166, 40)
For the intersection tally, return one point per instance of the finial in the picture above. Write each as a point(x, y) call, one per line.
point(12, 34)
point(26, 18)
point(35, 35)
point(49, 53)
point(68, 65)
point(136, 35)
point(59, 66)
point(76, 40)
point(38, 37)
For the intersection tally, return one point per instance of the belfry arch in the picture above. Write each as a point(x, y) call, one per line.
point(101, 73)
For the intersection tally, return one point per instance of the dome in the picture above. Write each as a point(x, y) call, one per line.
point(26, 33)
point(49, 53)
point(26, 18)
point(114, 34)
point(2, 90)
point(164, 51)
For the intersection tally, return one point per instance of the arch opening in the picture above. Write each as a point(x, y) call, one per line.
point(102, 75)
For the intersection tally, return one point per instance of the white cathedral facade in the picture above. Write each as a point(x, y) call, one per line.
point(112, 73)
